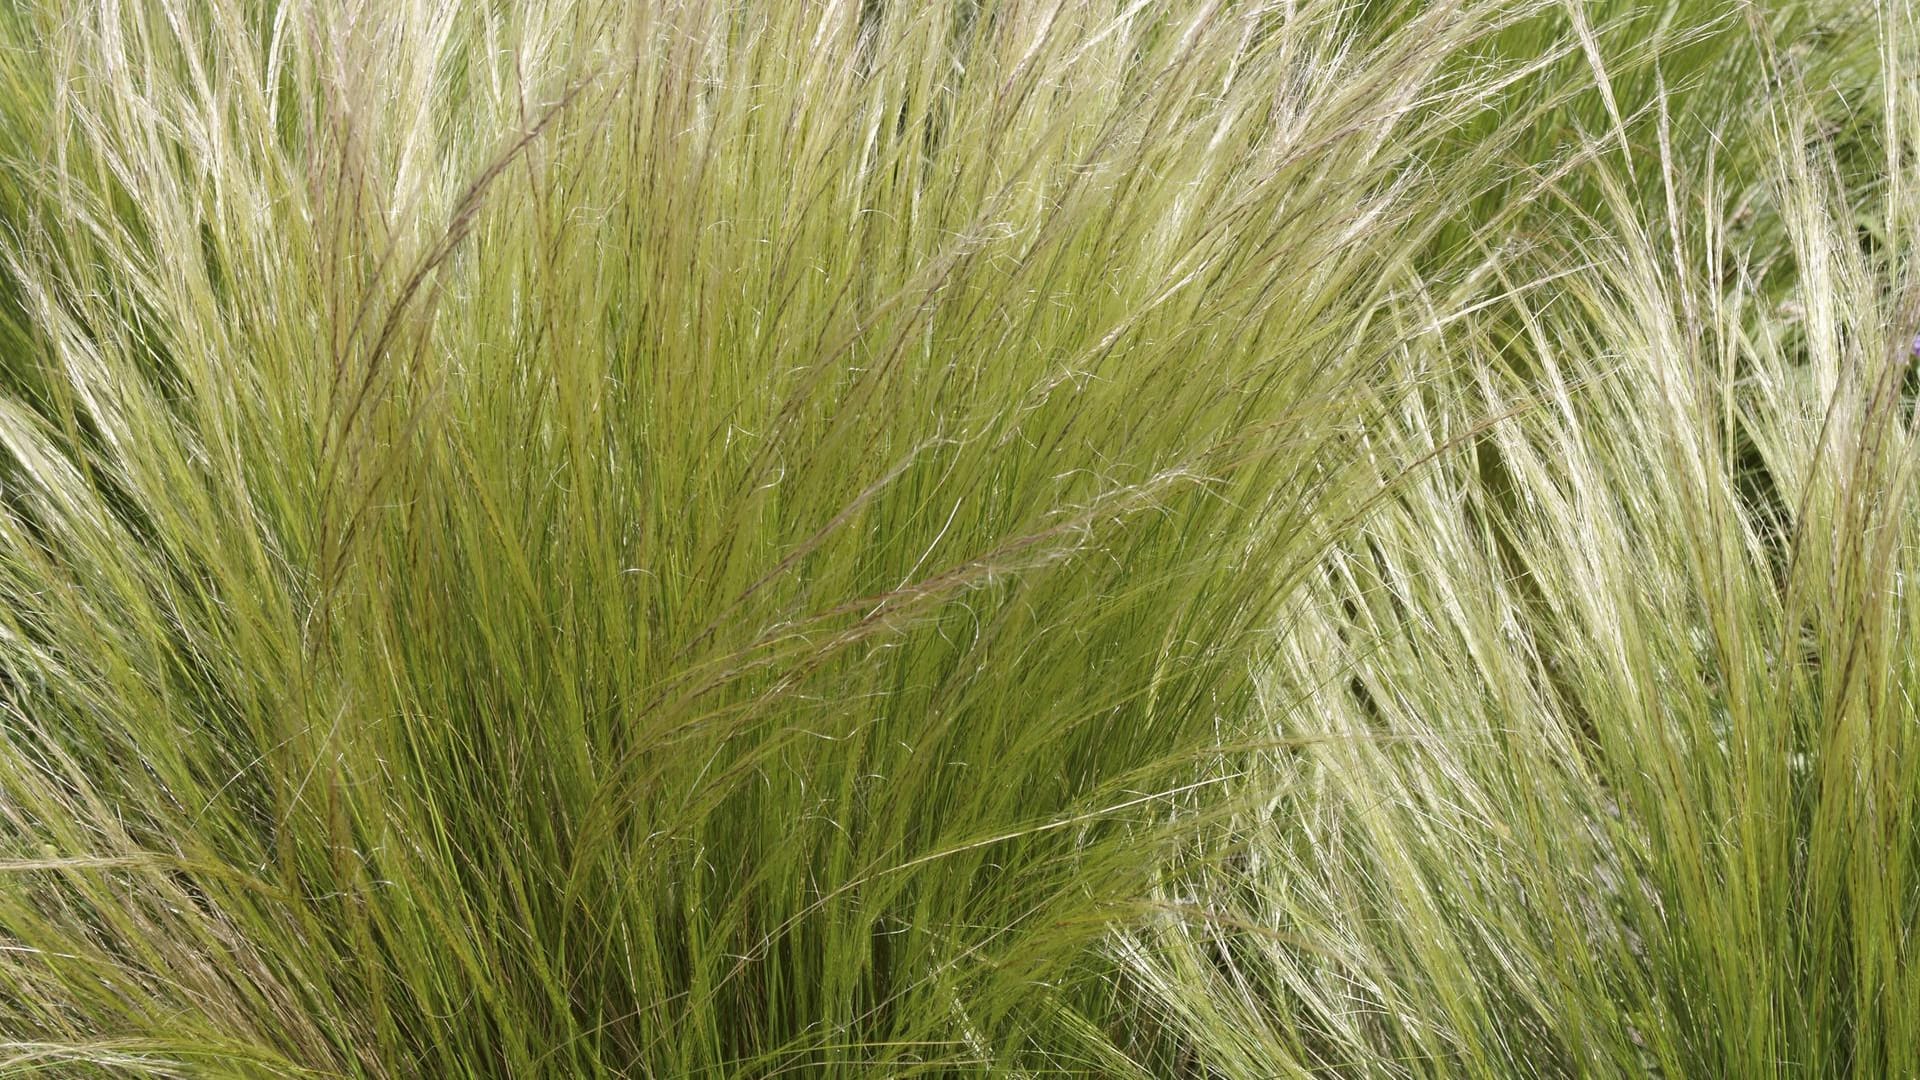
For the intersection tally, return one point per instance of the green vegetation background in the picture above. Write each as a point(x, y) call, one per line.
point(1243, 539)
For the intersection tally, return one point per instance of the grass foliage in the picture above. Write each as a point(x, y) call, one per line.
point(1022, 537)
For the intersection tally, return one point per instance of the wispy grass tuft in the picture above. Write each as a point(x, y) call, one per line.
point(1600, 736)
point(1107, 538)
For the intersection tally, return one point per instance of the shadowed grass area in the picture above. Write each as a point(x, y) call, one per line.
point(678, 539)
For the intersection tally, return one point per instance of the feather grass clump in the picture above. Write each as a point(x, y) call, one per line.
point(822, 538)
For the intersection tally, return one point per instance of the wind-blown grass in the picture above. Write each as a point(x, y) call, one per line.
point(674, 539)
point(1617, 772)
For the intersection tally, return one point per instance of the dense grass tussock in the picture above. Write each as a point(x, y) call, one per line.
point(1284, 538)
